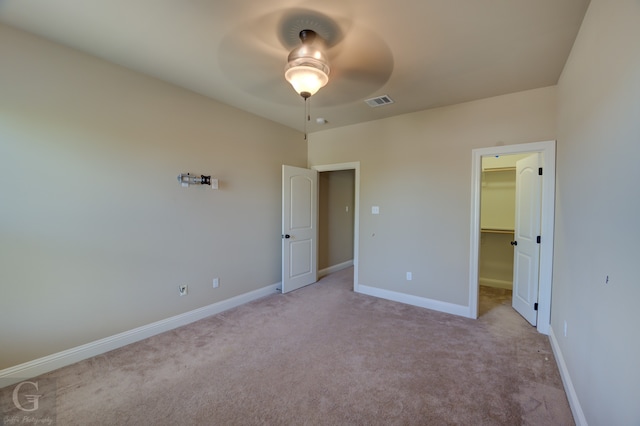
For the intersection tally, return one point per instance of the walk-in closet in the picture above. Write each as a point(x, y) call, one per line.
point(497, 220)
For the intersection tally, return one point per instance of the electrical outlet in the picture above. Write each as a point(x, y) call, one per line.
point(409, 276)
point(183, 290)
point(216, 282)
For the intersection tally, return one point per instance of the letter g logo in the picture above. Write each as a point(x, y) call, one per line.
point(30, 398)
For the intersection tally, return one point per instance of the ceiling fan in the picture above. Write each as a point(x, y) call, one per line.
point(307, 66)
point(353, 61)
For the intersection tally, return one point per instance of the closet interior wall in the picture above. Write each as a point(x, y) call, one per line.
point(497, 221)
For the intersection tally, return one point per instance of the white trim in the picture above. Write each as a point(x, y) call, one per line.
point(409, 299)
point(572, 396)
point(335, 268)
point(548, 150)
point(43, 365)
point(356, 210)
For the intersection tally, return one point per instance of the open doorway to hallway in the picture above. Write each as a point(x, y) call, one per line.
point(355, 168)
point(336, 220)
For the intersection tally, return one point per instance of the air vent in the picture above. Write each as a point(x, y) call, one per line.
point(379, 101)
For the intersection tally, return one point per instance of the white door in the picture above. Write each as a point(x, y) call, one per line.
point(299, 227)
point(526, 244)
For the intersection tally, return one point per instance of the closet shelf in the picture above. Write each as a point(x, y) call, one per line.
point(497, 231)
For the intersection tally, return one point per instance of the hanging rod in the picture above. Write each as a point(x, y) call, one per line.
point(499, 169)
point(497, 231)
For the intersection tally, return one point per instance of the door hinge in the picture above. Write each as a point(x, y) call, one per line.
point(540, 171)
point(538, 239)
point(535, 306)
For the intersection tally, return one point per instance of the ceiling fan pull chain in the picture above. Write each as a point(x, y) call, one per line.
point(306, 114)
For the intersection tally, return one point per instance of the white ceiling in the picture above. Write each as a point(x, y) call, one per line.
point(422, 53)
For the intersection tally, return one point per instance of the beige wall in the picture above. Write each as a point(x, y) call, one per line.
point(417, 169)
point(335, 218)
point(498, 200)
point(95, 231)
point(495, 265)
point(597, 214)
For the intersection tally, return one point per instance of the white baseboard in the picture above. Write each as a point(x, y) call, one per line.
point(335, 268)
point(574, 402)
point(43, 365)
point(492, 282)
point(409, 299)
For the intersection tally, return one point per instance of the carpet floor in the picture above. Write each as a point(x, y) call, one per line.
point(324, 355)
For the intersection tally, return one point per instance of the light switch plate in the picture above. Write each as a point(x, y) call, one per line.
point(375, 210)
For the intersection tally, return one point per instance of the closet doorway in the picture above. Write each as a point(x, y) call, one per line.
point(512, 228)
point(497, 220)
point(509, 226)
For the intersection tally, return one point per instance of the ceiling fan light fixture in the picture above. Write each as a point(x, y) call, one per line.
point(306, 80)
point(307, 69)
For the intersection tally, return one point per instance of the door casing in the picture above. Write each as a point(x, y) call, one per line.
point(548, 150)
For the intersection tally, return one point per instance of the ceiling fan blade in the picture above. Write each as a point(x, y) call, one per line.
point(360, 66)
point(255, 64)
point(253, 57)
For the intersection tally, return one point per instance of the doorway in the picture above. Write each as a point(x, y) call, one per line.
point(497, 225)
point(354, 167)
point(547, 149)
point(509, 215)
point(336, 191)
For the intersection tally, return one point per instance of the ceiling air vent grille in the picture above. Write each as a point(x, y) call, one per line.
point(379, 101)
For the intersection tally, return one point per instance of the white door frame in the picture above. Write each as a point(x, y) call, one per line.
point(548, 150)
point(356, 209)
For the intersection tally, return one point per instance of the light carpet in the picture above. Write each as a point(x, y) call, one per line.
point(324, 355)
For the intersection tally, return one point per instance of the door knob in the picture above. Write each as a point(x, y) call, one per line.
point(514, 243)
point(287, 236)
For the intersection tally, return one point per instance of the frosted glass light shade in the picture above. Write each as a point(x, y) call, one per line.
point(306, 80)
